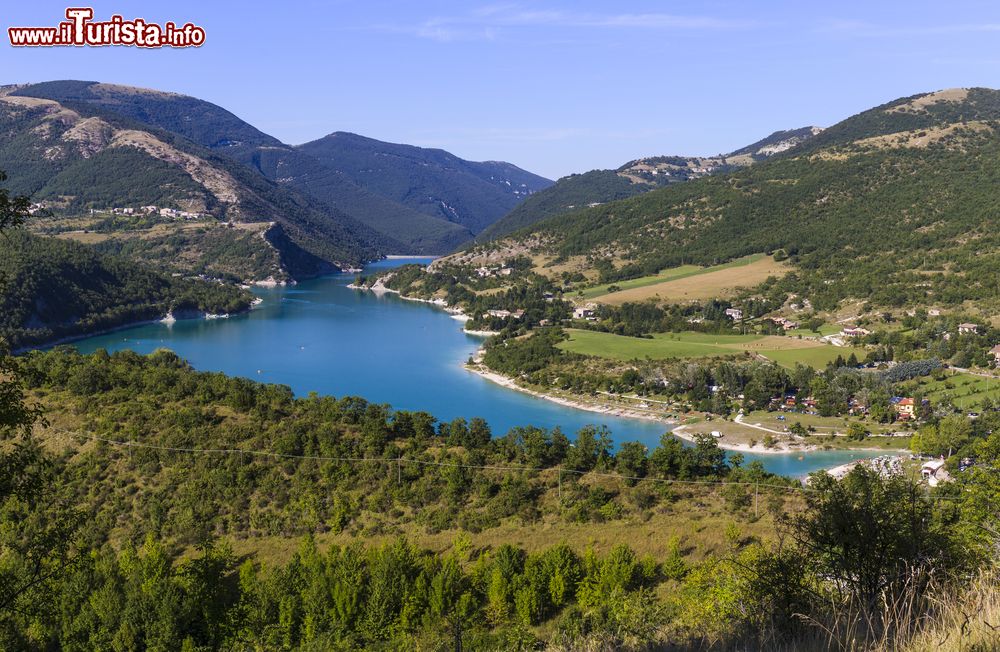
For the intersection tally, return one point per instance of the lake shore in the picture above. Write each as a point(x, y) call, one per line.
point(166, 319)
point(510, 383)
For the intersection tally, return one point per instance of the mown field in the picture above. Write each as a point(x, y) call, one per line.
point(786, 351)
point(689, 283)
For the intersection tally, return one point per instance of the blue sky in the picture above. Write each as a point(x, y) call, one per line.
point(555, 87)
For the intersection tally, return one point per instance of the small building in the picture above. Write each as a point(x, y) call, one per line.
point(968, 329)
point(734, 313)
point(933, 312)
point(585, 312)
point(785, 324)
point(933, 472)
point(502, 314)
point(854, 331)
point(903, 407)
point(995, 352)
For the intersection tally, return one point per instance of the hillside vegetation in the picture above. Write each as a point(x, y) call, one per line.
point(52, 288)
point(894, 206)
point(578, 191)
point(113, 512)
point(417, 200)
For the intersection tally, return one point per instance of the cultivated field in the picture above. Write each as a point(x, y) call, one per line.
point(687, 284)
point(966, 391)
point(786, 351)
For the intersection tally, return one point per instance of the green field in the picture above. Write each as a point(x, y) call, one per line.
point(786, 351)
point(825, 329)
point(672, 274)
point(966, 390)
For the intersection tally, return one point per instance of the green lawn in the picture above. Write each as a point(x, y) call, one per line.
point(672, 274)
point(825, 329)
point(816, 357)
point(786, 351)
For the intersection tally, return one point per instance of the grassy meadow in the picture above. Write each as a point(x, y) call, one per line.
point(786, 351)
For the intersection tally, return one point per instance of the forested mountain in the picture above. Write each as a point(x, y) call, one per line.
point(895, 205)
point(53, 288)
point(418, 200)
point(431, 181)
point(72, 157)
point(636, 177)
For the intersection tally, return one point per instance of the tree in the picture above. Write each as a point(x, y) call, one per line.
point(14, 211)
point(943, 438)
point(856, 431)
point(36, 528)
point(868, 533)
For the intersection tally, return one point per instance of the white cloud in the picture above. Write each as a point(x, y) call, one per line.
point(485, 22)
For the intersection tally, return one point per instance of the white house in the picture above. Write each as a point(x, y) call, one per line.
point(734, 313)
point(933, 472)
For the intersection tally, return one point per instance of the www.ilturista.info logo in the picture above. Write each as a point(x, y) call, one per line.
point(80, 29)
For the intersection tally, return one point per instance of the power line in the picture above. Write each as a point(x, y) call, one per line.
point(399, 461)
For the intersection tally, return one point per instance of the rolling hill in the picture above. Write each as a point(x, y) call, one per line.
point(52, 288)
point(418, 200)
point(636, 177)
point(895, 206)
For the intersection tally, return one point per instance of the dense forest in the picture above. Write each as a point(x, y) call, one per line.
point(53, 288)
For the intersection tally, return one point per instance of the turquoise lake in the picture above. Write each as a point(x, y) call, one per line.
point(321, 336)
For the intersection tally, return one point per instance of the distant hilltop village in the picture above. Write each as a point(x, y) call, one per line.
point(141, 210)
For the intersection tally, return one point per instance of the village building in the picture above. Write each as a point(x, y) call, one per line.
point(585, 312)
point(854, 331)
point(995, 352)
point(934, 473)
point(734, 313)
point(903, 407)
point(785, 324)
point(968, 329)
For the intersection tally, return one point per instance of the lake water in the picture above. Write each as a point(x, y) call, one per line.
point(321, 336)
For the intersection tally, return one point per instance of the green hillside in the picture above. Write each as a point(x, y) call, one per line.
point(53, 288)
point(76, 156)
point(420, 201)
point(636, 177)
point(431, 181)
point(895, 205)
point(417, 233)
point(574, 191)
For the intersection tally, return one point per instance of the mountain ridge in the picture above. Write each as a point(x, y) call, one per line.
point(891, 206)
point(406, 225)
point(636, 177)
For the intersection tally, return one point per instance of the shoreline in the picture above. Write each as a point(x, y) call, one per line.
point(379, 288)
point(509, 383)
point(166, 320)
point(673, 427)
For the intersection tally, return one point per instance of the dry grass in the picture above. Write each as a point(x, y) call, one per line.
point(964, 621)
point(702, 286)
point(921, 103)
